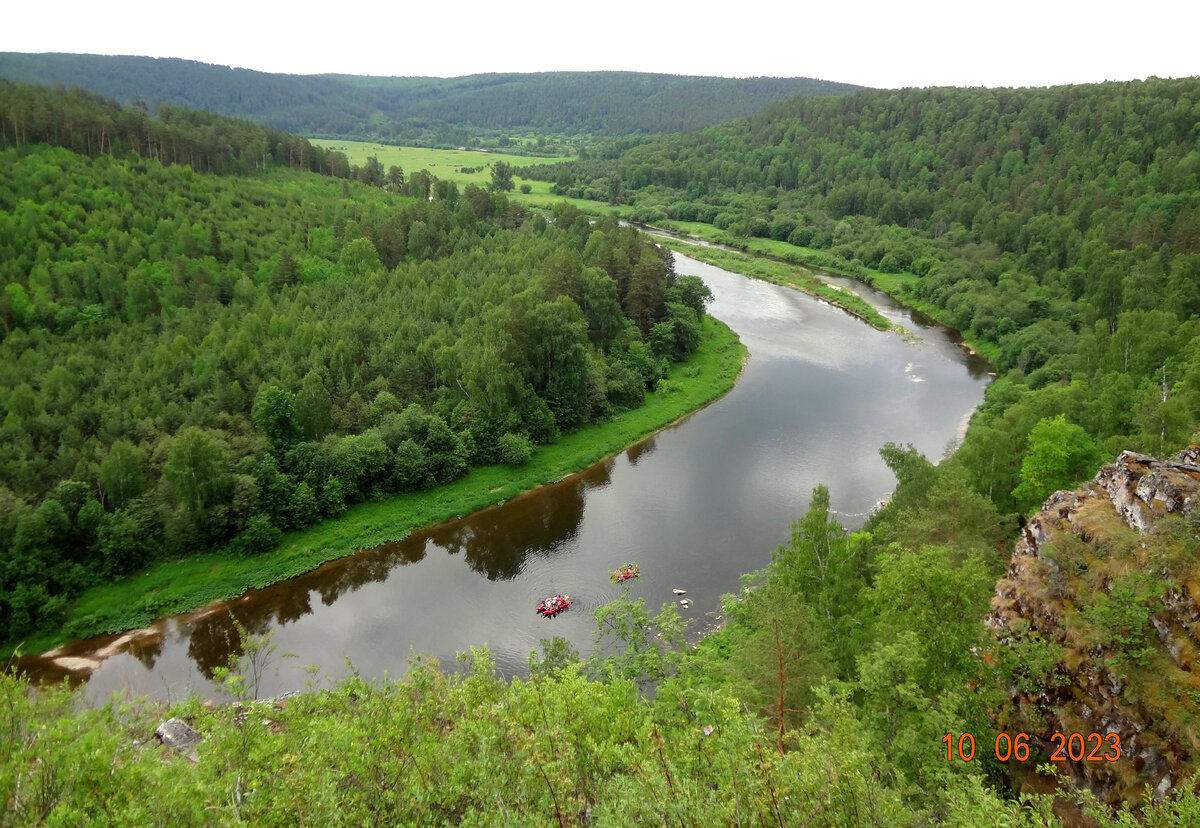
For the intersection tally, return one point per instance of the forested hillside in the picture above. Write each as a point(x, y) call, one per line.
point(420, 111)
point(87, 123)
point(192, 360)
point(1058, 228)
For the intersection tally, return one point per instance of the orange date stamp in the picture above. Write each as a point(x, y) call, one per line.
point(1076, 747)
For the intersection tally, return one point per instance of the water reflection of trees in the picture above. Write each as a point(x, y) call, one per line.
point(366, 566)
point(213, 640)
point(639, 450)
point(146, 649)
point(495, 543)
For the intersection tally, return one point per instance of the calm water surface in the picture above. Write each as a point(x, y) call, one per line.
point(696, 506)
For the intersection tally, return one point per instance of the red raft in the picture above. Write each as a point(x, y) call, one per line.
point(553, 606)
point(627, 571)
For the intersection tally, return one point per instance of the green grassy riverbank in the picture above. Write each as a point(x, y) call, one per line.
point(769, 259)
point(782, 273)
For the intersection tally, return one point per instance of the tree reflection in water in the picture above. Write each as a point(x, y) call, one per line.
point(495, 542)
point(147, 649)
point(213, 640)
point(639, 450)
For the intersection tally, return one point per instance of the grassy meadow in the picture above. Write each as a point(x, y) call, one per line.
point(449, 165)
point(443, 163)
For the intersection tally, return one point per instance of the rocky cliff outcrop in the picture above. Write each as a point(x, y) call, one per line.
point(1106, 580)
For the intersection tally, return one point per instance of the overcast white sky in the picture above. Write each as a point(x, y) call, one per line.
point(882, 44)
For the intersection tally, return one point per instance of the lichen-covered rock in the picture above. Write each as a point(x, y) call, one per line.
point(1144, 489)
point(1063, 577)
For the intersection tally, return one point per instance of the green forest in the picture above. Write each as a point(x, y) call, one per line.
point(476, 110)
point(196, 360)
point(1058, 229)
point(87, 123)
point(202, 360)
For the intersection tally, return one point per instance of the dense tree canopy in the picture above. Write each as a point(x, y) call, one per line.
point(1058, 228)
point(90, 124)
point(204, 359)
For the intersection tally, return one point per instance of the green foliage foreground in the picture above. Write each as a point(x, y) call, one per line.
point(558, 748)
point(441, 749)
point(823, 701)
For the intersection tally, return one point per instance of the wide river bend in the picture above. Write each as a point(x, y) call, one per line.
point(696, 505)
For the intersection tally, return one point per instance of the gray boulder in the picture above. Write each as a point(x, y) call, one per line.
point(178, 734)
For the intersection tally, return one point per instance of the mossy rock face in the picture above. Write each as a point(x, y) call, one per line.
point(1144, 490)
point(1115, 550)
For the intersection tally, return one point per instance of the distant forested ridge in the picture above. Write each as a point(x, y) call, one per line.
point(192, 360)
point(425, 111)
point(1058, 228)
point(90, 124)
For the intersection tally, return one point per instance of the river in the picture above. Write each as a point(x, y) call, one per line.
point(696, 505)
